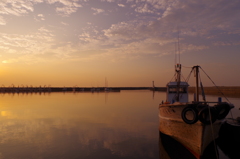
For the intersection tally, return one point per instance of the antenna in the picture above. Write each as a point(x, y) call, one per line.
point(178, 48)
point(175, 53)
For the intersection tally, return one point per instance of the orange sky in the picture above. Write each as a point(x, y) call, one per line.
point(131, 43)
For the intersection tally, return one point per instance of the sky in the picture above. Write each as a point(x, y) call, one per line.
point(128, 43)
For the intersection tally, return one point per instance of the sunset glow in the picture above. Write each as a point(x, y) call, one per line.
point(129, 42)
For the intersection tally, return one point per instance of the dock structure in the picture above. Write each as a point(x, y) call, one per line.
point(227, 91)
point(31, 89)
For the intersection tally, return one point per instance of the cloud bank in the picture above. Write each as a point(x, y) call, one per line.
point(115, 29)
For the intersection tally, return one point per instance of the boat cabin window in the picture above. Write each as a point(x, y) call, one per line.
point(174, 90)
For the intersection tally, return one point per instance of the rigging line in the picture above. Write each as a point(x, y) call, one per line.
point(178, 47)
point(189, 75)
point(209, 111)
point(216, 86)
point(202, 90)
point(219, 91)
point(214, 141)
point(183, 78)
point(173, 77)
point(186, 66)
point(186, 79)
point(175, 53)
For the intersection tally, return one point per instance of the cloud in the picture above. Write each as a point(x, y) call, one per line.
point(123, 41)
point(132, 31)
point(2, 21)
point(17, 8)
point(40, 17)
point(150, 29)
point(23, 7)
point(222, 43)
point(97, 11)
point(121, 5)
point(66, 11)
point(22, 45)
point(108, 1)
point(144, 9)
point(202, 15)
point(68, 8)
point(64, 23)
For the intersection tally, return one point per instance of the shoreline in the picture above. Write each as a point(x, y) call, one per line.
point(229, 91)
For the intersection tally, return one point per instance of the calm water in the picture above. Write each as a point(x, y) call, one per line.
point(121, 125)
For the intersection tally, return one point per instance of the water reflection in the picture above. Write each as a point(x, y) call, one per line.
point(223, 148)
point(119, 125)
point(171, 149)
point(78, 126)
point(229, 140)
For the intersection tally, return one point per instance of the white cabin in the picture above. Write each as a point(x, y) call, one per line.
point(172, 92)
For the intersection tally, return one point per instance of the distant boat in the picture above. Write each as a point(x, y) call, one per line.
point(195, 124)
point(106, 89)
point(153, 87)
point(109, 89)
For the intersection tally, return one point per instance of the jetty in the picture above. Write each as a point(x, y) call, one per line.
point(31, 89)
point(229, 91)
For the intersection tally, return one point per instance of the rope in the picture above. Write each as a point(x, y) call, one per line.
point(202, 90)
point(215, 145)
point(173, 77)
point(186, 66)
point(216, 86)
point(219, 91)
point(189, 75)
point(209, 108)
point(210, 115)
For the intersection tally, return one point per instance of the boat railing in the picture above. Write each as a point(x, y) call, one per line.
point(208, 102)
point(205, 102)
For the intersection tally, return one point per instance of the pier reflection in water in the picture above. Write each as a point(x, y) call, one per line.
point(84, 125)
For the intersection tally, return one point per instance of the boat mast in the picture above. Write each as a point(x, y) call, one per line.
point(178, 68)
point(197, 82)
point(178, 79)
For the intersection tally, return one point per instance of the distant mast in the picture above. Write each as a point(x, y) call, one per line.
point(178, 68)
point(197, 82)
point(106, 85)
point(178, 80)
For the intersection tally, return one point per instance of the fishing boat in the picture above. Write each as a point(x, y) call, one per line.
point(195, 124)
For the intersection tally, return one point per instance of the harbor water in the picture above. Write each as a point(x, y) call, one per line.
point(86, 125)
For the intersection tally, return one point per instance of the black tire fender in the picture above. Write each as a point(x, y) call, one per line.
point(194, 112)
point(204, 116)
point(223, 110)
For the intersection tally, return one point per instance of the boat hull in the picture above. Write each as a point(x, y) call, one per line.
point(195, 137)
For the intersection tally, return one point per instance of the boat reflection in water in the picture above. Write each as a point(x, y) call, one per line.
point(169, 148)
point(229, 139)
